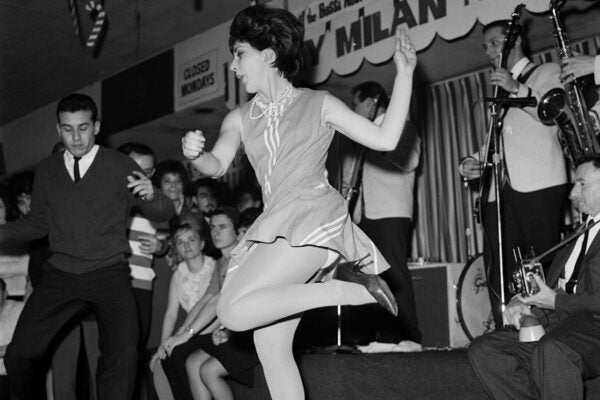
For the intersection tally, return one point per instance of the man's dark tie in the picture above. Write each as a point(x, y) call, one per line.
point(570, 286)
point(76, 174)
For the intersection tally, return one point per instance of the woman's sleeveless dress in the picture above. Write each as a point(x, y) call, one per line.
point(288, 149)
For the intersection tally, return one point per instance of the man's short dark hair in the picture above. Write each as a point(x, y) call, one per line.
point(22, 182)
point(137, 148)
point(594, 159)
point(77, 102)
point(252, 190)
point(212, 184)
point(248, 216)
point(503, 24)
point(232, 213)
point(371, 90)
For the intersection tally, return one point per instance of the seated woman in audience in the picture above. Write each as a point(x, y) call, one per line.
point(188, 284)
point(209, 358)
point(223, 354)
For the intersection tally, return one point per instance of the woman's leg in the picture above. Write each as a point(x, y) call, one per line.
point(274, 348)
point(213, 374)
point(192, 366)
point(270, 285)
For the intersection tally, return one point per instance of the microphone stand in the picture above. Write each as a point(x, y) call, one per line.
point(494, 139)
point(496, 130)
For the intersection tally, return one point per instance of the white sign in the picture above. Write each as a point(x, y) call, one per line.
point(197, 77)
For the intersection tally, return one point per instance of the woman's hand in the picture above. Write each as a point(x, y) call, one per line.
point(161, 352)
point(220, 336)
point(405, 55)
point(167, 346)
point(192, 144)
point(153, 361)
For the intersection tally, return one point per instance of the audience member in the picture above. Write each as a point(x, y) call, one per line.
point(8, 212)
point(247, 195)
point(207, 193)
point(9, 314)
point(188, 285)
point(144, 243)
point(172, 180)
point(21, 185)
point(223, 354)
point(224, 225)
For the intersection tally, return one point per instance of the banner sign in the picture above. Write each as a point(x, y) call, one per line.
point(340, 34)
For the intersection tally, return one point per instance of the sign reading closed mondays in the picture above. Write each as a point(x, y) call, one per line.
point(197, 77)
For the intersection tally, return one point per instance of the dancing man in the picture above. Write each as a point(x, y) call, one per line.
point(81, 199)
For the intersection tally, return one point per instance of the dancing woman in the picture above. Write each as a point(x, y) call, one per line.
point(305, 226)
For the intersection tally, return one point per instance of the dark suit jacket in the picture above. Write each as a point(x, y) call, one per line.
point(587, 298)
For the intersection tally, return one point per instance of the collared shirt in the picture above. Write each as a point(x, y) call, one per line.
point(518, 68)
point(570, 264)
point(84, 163)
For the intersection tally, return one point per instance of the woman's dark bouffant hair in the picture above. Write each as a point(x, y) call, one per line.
point(275, 28)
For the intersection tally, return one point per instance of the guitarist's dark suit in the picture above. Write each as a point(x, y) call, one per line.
point(554, 366)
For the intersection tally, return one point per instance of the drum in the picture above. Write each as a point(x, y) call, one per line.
point(472, 300)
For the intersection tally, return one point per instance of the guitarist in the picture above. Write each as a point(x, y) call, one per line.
point(385, 209)
point(534, 177)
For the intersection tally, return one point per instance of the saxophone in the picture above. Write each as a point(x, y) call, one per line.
point(567, 108)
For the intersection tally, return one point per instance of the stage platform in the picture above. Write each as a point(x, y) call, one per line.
point(430, 375)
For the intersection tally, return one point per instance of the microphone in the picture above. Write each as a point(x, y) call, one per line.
point(514, 101)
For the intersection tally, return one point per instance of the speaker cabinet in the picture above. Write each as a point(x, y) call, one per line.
point(435, 287)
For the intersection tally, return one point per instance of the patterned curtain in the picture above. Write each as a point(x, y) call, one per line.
point(453, 123)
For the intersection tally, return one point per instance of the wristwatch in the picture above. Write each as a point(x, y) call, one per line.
point(191, 331)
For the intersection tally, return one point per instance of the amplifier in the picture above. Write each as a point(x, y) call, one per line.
point(452, 302)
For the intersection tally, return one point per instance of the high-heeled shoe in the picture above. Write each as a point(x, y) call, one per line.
point(350, 272)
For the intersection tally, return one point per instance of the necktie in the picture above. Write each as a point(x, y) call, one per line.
point(571, 286)
point(76, 174)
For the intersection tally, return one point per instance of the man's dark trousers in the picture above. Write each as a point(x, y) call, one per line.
point(61, 297)
point(391, 236)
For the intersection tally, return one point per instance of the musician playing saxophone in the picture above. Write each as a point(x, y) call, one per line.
point(534, 184)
